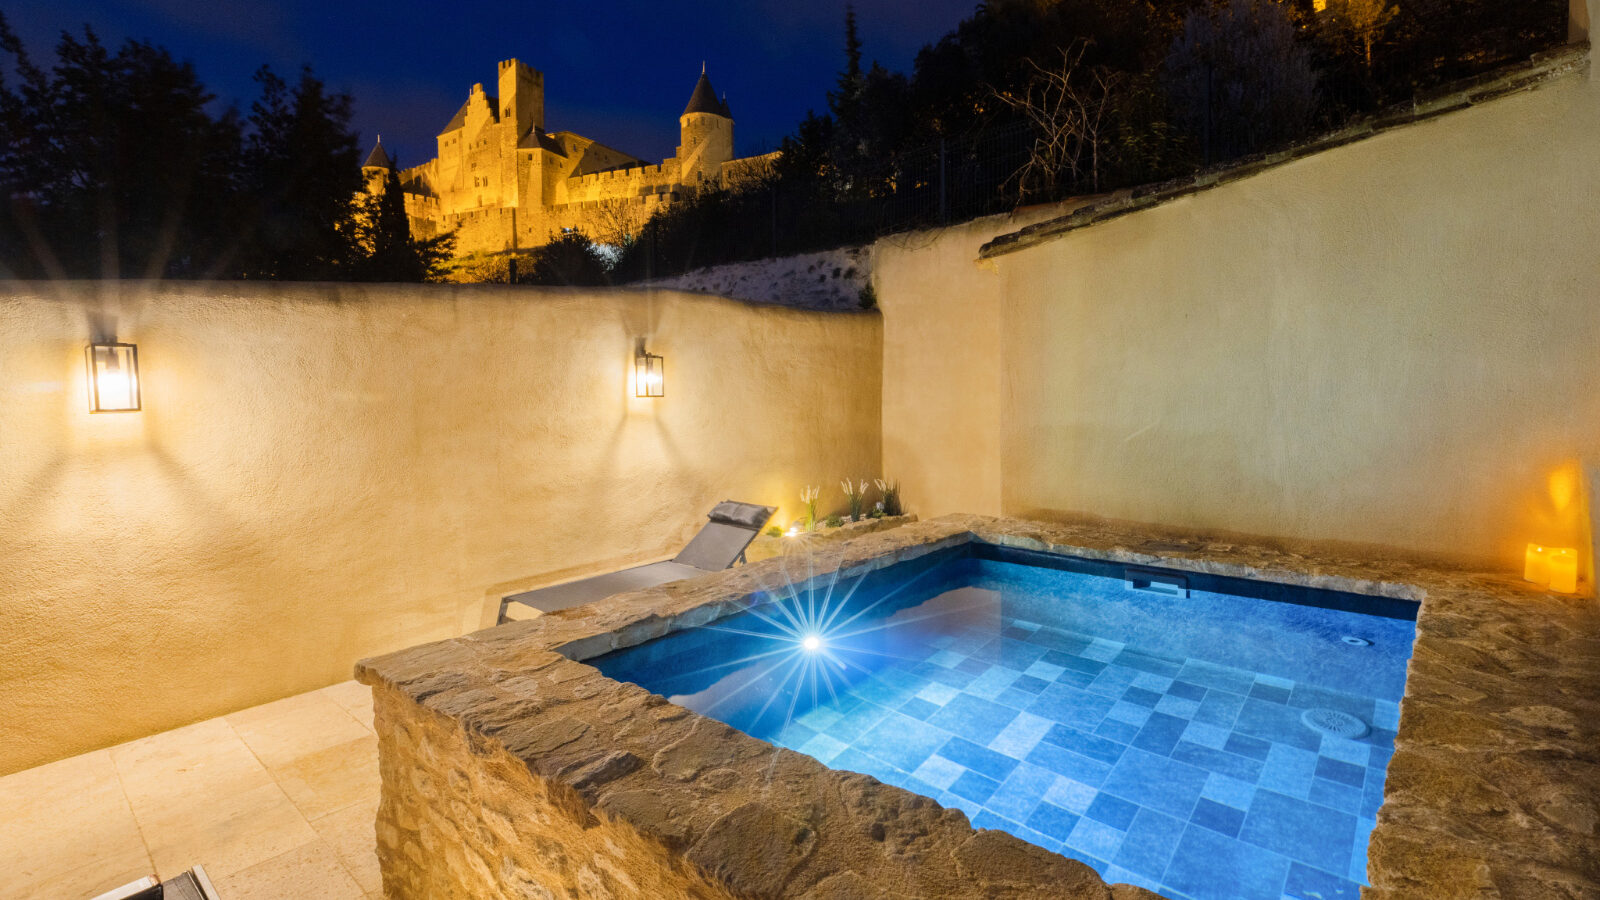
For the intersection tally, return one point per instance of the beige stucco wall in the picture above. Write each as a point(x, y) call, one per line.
point(323, 473)
point(941, 352)
point(1391, 342)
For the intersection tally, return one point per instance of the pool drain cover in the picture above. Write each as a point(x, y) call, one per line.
point(1334, 722)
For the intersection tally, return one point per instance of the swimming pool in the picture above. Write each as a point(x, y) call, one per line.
point(1150, 723)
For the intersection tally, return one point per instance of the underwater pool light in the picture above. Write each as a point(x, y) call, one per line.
point(811, 643)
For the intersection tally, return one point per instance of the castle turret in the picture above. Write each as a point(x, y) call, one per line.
point(706, 133)
point(521, 96)
point(376, 169)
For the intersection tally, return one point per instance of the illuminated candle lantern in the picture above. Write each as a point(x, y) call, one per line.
point(1536, 568)
point(1563, 571)
point(113, 377)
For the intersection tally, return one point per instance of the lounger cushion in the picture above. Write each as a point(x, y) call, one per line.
point(744, 515)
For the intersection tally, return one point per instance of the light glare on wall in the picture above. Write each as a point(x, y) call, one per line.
point(649, 380)
point(113, 377)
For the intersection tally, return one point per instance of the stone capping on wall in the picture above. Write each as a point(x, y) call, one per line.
point(1524, 76)
point(1493, 790)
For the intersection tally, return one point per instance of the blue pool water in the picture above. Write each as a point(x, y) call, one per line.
point(1156, 738)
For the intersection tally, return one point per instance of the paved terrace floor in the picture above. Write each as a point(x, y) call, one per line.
point(276, 802)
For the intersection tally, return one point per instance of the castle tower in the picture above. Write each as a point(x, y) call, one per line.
point(705, 134)
point(376, 169)
point(521, 97)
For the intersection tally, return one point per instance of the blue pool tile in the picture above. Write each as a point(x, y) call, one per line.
point(1070, 706)
point(1217, 817)
point(901, 741)
point(1306, 883)
point(1213, 736)
point(1113, 811)
point(1018, 654)
point(1219, 708)
point(1268, 692)
point(984, 761)
point(1099, 748)
point(1121, 732)
point(1247, 746)
point(1113, 680)
point(1152, 682)
point(918, 708)
point(1162, 784)
point(1021, 792)
point(1053, 821)
point(1334, 795)
point(938, 694)
point(1314, 835)
point(1217, 677)
point(1275, 681)
point(1187, 690)
point(1079, 680)
point(1021, 735)
point(1144, 662)
point(1102, 649)
point(1064, 762)
point(1209, 866)
point(856, 722)
point(1118, 875)
point(1080, 664)
point(953, 801)
point(1058, 640)
point(1275, 722)
point(1012, 698)
point(974, 718)
point(1096, 839)
point(1386, 714)
point(1177, 706)
point(1149, 844)
point(992, 682)
point(1141, 696)
point(951, 677)
point(1160, 733)
point(1371, 798)
point(1306, 696)
point(974, 787)
point(947, 659)
point(1288, 770)
point(939, 772)
point(793, 735)
point(1070, 795)
point(1378, 757)
point(973, 666)
point(822, 748)
point(1342, 772)
point(1129, 713)
point(1219, 761)
point(1030, 684)
point(1358, 854)
point(1228, 791)
point(1043, 671)
point(853, 760)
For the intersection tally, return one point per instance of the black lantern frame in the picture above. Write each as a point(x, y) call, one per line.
point(113, 377)
point(649, 375)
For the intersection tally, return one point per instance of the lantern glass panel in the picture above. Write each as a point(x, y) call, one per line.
point(648, 378)
point(113, 377)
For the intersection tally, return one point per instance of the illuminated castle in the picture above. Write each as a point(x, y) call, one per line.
point(502, 182)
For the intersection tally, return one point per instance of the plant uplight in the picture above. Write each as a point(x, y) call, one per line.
point(113, 377)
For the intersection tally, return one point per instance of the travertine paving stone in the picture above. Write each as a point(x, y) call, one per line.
point(510, 769)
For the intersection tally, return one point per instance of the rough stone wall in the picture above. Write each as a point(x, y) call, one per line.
point(464, 818)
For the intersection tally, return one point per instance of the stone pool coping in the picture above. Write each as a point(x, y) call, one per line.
point(1492, 790)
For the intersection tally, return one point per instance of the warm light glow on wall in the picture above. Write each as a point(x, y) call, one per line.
point(113, 377)
point(649, 380)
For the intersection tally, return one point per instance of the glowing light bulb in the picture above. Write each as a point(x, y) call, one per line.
point(811, 643)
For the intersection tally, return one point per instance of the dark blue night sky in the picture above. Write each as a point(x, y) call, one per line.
point(617, 72)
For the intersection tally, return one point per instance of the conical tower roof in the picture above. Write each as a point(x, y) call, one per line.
point(378, 159)
point(704, 99)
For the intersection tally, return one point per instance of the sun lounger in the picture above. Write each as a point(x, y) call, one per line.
point(719, 545)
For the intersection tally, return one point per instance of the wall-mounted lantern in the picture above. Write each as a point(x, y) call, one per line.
point(648, 378)
point(113, 377)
